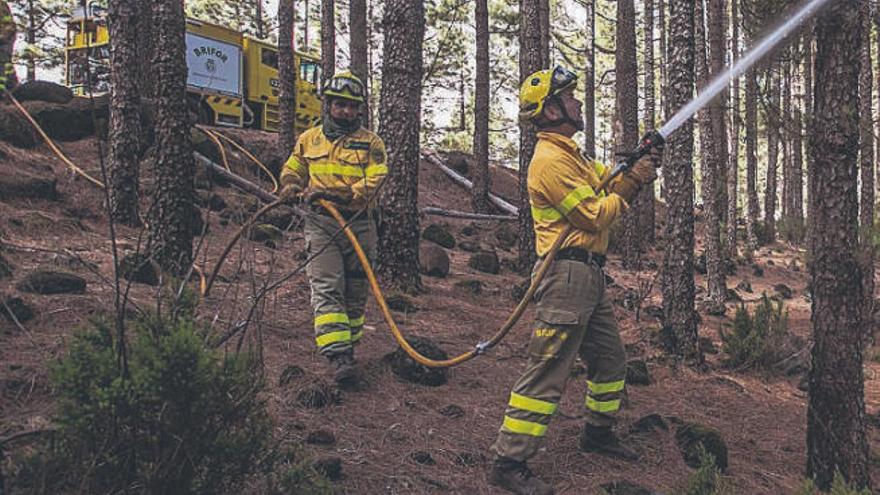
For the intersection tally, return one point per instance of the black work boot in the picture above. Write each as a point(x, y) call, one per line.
point(345, 370)
point(602, 440)
point(516, 477)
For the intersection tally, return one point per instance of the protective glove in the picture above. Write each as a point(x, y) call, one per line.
point(312, 196)
point(290, 194)
point(642, 173)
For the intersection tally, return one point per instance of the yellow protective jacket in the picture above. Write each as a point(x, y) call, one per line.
point(562, 186)
point(353, 163)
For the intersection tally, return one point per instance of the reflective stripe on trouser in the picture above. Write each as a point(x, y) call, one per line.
point(339, 290)
point(574, 318)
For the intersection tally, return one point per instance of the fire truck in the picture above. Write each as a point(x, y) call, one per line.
point(232, 78)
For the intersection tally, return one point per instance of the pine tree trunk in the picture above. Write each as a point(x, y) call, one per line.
point(258, 12)
point(735, 120)
point(866, 164)
point(627, 115)
point(677, 277)
point(773, 138)
point(30, 37)
point(287, 74)
point(399, 125)
point(794, 165)
point(710, 165)
point(146, 47)
point(357, 18)
point(836, 438)
point(124, 131)
point(647, 218)
point(716, 16)
point(328, 44)
point(306, 19)
point(171, 219)
point(480, 174)
point(590, 82)
point(790, 183)
point(664, 59)
point(809, 62)
point(751, 161)
point(531, 59)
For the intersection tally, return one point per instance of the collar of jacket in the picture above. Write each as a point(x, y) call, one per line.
point(563, 142)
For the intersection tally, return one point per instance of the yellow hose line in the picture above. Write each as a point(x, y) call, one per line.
point(51, 143)
point(252, 157)
point(219, 145)
point(481, 347)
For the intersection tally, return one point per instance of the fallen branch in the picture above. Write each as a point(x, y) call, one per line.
point(455, 176)
point(464, 214)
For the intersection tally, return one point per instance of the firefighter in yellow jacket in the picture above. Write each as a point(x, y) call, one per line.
point(574, 316)
point(344, 163)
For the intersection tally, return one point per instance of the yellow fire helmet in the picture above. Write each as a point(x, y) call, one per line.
point(540, 86)
point(345, 85)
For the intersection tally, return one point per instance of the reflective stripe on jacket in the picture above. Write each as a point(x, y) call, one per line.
point(355, 162)
point(562, 185)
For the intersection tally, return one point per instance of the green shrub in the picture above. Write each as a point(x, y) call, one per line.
point(839, 486)
point(706, 480)
point(186, 419)
point(757, 338)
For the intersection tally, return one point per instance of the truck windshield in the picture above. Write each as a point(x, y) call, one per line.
point(310, 72)
point(98, 64)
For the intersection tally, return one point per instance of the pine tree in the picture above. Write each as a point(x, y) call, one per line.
point(480, 174)
point(124, 131)
point(359, 49)
point(399, 124)
point(774, 121)
point(677, 277)
point(751, 161)
point(735, 121)
point(627, 116)
point(171, 219)
point(836, 438)
point(590, 82)
point(647, 217)
point(287, 72)
point(328, 41)
point(866, 164)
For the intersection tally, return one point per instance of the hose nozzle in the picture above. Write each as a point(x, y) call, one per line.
point(650, 140)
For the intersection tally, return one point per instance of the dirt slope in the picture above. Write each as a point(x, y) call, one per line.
point(380, 428)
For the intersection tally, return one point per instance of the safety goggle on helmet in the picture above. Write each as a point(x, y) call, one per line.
point(540, 86)
point(345, 85)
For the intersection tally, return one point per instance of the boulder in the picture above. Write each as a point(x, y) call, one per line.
point(783, 291)
point(51, 282)
point(70, 122)
point(637, 372)
point(433, 261)
point(136, 267)
point(329, 467)
point(506, 236)
point(14, 308)
point(16, 130)
point(691, 436)
point(485, 261)
point(405, 368)
point(469, 246)
point(43, 91)
point(23, 185)
point(438, 234)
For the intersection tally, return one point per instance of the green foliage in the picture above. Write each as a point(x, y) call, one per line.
point(46, 19)
point(185, 420)
point(706, 480)
point(757, 337)
point(839, 486)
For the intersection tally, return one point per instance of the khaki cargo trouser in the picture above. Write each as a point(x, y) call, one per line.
point(337, 279)
point(574, 318)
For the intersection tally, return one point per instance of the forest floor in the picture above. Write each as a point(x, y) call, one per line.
point(384, 429)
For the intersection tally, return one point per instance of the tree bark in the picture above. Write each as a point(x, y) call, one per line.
point(260, 25)
point(866, 164)
point(710, 164)
point(677, 276)
point(287, 75)
point(480, 192)
point(788, 177)
point(751, 161)
point(531, 58)
point(716, 17)
point(171, 219)
point(590, 82)
point(664, 58)
point(357, 18)
point(328, 45)
point(124, 159)
point(648, 218)
point(735, 121)
point(146, 47)
point(836, 439)
point(30, 37)
point(626, 87)
point(399, 124)
point(773, 138)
